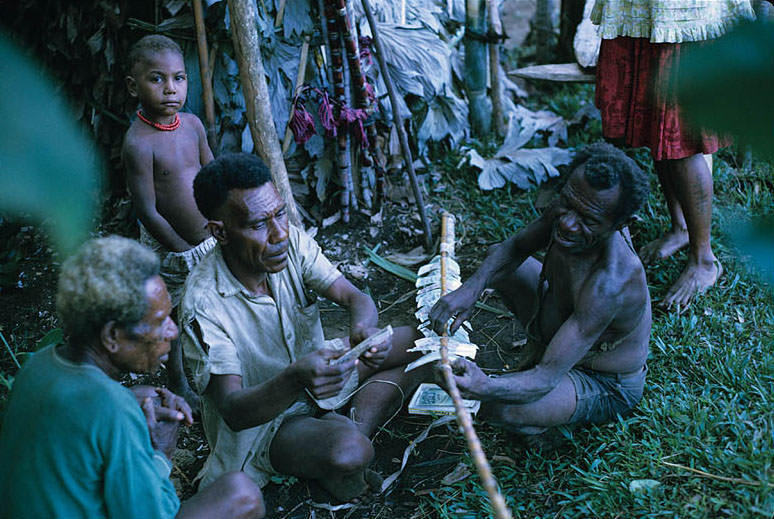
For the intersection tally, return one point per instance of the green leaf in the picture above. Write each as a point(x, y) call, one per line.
point(726, 85)
point(48, 168)
point(52, 338)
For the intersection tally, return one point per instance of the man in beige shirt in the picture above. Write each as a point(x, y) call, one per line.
point(254, 343)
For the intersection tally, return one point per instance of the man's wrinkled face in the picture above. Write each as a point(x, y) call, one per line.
point(256, 228)
point(144, 346)
point(583, 213)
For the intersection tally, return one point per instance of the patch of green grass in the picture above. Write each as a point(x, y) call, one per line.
point(709, 399)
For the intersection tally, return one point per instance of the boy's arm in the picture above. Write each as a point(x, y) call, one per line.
point(139, 169)
point(205, 153)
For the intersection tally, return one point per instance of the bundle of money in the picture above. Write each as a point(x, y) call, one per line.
point(430, 399)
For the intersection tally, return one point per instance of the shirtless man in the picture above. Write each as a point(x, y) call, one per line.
point(163, 150)
point(586, 309)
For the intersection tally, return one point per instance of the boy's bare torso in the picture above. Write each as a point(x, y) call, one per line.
point(568, 276)
point(176, 159)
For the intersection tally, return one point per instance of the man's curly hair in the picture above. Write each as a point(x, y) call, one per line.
point(606, 166)
point(227, 172)
point(104, 281)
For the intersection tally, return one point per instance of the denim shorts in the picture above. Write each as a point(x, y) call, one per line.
point(600, 397)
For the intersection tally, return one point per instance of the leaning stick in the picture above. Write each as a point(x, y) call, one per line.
point(463, 416)
point(204, 73)
point(280, 14)
point(299, 81)
point(404, 145)
point(253, 78)
point(496, 26)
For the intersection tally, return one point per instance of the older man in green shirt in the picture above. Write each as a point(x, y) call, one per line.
point(76, 443)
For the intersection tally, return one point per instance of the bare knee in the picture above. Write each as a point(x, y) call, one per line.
point(244, 497)
point(349, 452)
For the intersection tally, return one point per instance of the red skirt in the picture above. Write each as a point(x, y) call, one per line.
point(636, 104)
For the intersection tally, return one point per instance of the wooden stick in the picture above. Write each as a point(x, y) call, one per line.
point(300, 75)
point(256, 92)
point(407, 158)
point(496, 26)
point(479, 108)
point(464, 420)
point(204, 73)
point(727, 479)
point(280, 14)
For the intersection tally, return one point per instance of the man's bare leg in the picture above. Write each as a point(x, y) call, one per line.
point(519, 291)
point(384, 392)
point(676, 238)
point(231, 496)
point(330, 450)
point(692, 181)
point(556, 408)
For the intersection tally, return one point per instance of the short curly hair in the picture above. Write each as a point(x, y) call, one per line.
point(606, 166)
point(227, 172)
point(104, 281)
point(151, 44)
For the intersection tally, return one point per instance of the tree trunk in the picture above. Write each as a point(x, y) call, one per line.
point(475, 68)
point(256, 93)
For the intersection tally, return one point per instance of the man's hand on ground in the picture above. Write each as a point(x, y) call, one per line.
point(373, 357)
point(315, 372)
point(471, 381)
point(458, 305)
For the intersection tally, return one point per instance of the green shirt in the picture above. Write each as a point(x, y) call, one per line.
point(74, 444)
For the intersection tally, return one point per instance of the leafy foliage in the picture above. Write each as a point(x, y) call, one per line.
point(48, 170)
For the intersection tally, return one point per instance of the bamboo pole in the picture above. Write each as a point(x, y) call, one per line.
point(340, 94)
point(359, 81)
point(496, 26)
point(256, 93)
point(407, 158)
point(464, 420)
point(475, 68)
point(280, 14)
point(205, 74)
point(300, 75)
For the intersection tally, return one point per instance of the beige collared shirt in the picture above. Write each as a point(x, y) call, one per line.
point(255, 337)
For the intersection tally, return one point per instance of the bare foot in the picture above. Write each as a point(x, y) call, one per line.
point(673, 241)
point(352, 488)
point(695, 279)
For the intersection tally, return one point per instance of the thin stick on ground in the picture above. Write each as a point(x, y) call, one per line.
point(407, 158)
point(488, 480)
point(8, 347)
point(727, 479)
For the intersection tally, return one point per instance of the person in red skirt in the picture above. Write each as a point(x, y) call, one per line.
point(642, 45)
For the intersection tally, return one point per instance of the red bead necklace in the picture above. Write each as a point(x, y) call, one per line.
point(174, 125)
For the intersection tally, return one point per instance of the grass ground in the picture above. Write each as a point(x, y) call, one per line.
point(709, 400)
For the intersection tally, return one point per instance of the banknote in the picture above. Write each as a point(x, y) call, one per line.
point(431, 399)
point(374, 340)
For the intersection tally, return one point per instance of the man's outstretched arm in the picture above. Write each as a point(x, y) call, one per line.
point(595, 310)
point(505, 256)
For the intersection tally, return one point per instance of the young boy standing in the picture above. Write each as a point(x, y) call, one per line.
point(163, 151)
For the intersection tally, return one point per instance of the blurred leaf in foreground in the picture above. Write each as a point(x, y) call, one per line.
point(727, 85)
point(48, 168)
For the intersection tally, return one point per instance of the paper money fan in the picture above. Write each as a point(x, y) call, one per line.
point(439, 277)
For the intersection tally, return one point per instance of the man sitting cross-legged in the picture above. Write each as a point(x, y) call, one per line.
point(586, 308)
point(255, 344)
